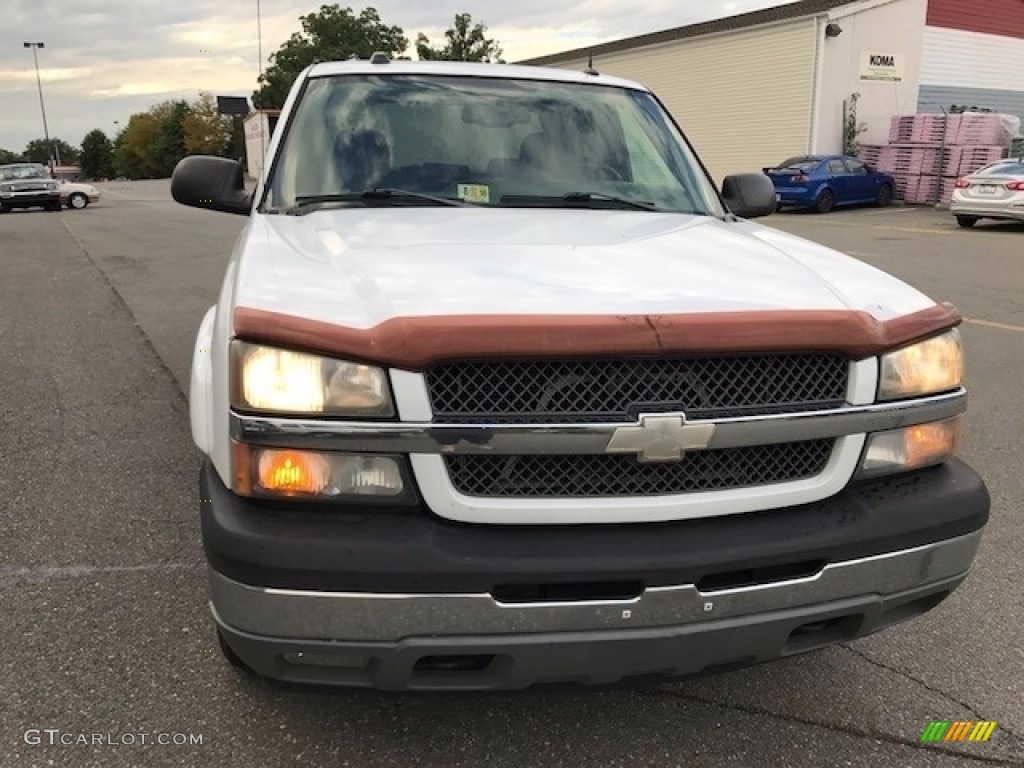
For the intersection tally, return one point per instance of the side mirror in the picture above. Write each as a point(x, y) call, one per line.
point(214, 183)
point(749, 195)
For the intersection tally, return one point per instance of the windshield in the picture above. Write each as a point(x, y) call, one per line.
point(485, 141)
point(30, 171)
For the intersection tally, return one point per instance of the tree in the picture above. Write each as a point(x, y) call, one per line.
point(153, 142)
point(852, 128)
point(39, 151)
point(6, 156)
point(134, 155)
point(464, 43)
point(207, 132)
point(169, 145)
point(332, 34)
point(97, 155)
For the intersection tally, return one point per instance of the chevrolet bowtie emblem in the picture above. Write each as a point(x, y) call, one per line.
point(661, 438)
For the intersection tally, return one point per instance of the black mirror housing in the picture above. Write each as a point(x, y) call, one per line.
point(749, 195)
point(213, 183)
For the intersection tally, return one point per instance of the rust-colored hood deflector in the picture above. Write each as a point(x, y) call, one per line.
point(413, 343)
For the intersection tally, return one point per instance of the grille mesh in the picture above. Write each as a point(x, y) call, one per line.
point(618, 475)
point(566, 391)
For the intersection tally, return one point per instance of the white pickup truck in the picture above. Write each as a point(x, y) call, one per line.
point(500, 390)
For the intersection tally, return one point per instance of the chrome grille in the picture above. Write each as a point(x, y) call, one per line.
point(581, 390)
point(613, 475)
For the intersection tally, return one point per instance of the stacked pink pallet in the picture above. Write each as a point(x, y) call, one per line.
point(927, 153)
point(922, 190)
point(944, 192)
point(870, 153)
point(901, 182)
point(961, 160)
point(928, 188)
point(948, 185)
point(913, 159)
point(924, 129)
point(977, 129)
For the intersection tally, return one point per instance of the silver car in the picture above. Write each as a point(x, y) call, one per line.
point(27, 185)
point(994, 192)
point(76, 195)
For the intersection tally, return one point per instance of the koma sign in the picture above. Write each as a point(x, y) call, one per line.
point(886, 67)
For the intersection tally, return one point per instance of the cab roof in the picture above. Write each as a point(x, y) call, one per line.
point(465, 69)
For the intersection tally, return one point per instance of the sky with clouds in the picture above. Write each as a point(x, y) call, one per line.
point(105, 59)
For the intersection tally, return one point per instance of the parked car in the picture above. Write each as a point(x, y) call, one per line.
point(823, 182)
point(77, 195)
point(994, 192)
point(501, 390)
point(27, 185)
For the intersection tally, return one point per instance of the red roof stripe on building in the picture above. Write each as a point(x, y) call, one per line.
point(992, 17)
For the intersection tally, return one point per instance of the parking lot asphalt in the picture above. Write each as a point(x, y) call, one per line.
point(106, 630)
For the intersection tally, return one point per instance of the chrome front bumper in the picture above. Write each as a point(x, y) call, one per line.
point(395, 641)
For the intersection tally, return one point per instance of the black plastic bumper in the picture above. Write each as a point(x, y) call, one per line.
point(376, 549)
point(43, 199)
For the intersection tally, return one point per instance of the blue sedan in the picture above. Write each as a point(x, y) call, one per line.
point(822, 182)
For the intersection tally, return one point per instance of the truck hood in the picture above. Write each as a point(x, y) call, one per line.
point(359, 267)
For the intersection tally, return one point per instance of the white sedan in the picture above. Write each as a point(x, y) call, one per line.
point(77, 196)
point(994, 192)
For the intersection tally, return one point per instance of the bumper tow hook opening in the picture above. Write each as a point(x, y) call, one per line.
point(818, 634)
point(568, 593)
point(475, 662)
point(754, 577)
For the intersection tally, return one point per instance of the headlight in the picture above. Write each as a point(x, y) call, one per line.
point(6, 187)
point(928, 367)
point(281, 381)
point(901, 450)
point(52, 187)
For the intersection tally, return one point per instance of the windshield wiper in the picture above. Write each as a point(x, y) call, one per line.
point(307, 203)
point(580, 197)
point(387, 193)
point(586, 197)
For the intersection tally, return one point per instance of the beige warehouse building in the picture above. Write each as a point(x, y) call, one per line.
point(754, 89)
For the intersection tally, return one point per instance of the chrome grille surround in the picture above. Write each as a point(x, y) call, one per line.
point(618, 390)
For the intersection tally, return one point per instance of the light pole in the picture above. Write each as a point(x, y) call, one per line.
point(42, 106)
point(259, 35)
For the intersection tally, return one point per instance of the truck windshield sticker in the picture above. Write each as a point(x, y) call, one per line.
point(475, 193)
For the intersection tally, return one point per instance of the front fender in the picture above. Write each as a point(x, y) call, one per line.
point(201, 386)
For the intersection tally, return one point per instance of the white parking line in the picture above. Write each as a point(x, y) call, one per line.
point(991, 324)
point(889, 211)
point(919, 230)
point(884, 227)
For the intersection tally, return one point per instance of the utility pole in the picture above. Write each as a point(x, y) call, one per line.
point(42, 106)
